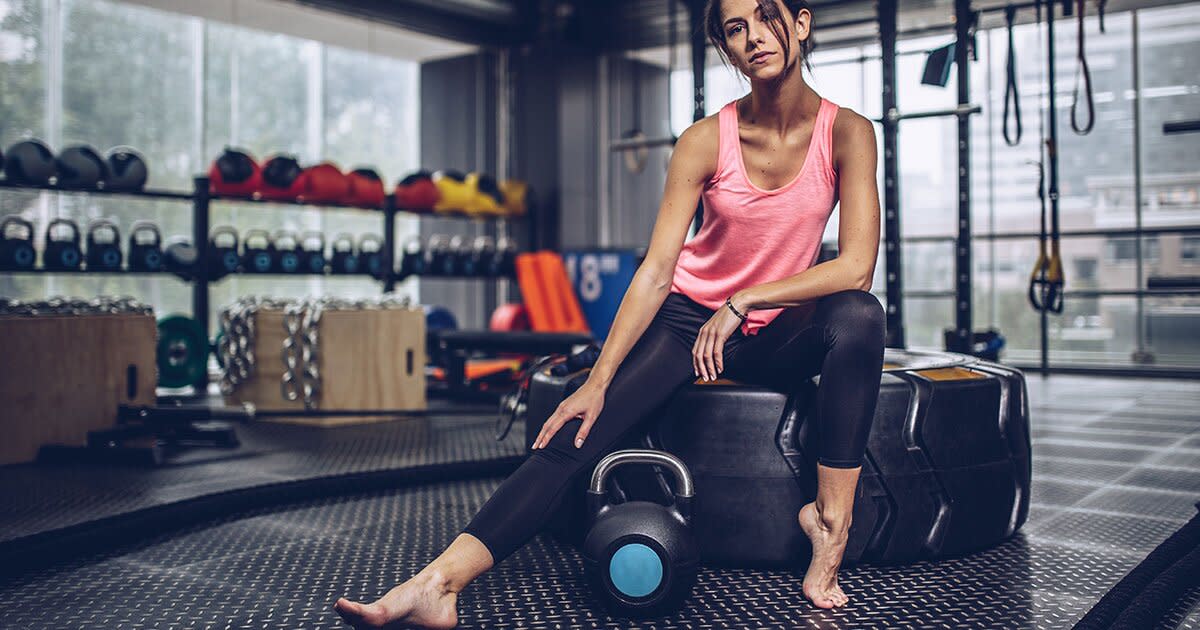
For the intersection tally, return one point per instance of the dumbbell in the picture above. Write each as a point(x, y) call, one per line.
point(103, 246)
point(285, 252)
point(16, 243)
point(223, 256)
point(440, 263)
point(256, 251)
point(370, 249)
point(312, 252)
point(345, 260)
point(62, 254)
point(145, 247)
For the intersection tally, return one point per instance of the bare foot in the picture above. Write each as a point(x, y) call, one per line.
point(828, 543)
point(422, 602)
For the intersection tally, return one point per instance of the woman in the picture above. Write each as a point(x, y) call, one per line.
point(741, 299)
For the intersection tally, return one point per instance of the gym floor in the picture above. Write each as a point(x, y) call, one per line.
point(1116, 470)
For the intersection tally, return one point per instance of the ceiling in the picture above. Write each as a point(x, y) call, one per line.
point(638, 24)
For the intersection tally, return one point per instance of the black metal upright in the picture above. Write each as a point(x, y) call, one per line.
point(963, 336)
point(200, 239)
point(699, 57)
point(891, 178)
point(389, 243)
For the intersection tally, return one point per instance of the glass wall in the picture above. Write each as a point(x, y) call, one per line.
point(1112, 316)
point(180, 89)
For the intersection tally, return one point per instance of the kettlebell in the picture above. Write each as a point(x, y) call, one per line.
point(62, 253)
point(16, 243)
point(223, 256)
point(345, 260)
point(145, 247)
point(80, 167)
point(641, 557)
point(370, 248)
point(483, 254)
point(458, 256)
point(312, 254)
point(285, 252)
point(30, 162)
point(506, 257)
point(256, 251)
point(103, 246)
point(440, 263)
point(126, 170)
point(179, 257)
point(412, 262)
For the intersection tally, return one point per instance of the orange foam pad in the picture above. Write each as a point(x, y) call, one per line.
point(477, 368)
point(548, 295)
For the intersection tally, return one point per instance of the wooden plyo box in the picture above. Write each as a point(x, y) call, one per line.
point(368, 359)
point(61, 377)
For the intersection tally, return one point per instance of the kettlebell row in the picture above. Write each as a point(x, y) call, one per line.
point(256, 251)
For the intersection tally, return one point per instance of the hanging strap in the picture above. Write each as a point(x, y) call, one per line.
point(1010, 88)
point(1082, 69)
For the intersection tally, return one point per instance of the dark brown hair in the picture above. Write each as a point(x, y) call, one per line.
point(715, 30)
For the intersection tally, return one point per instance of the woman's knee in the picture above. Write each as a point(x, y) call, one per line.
point(855, 312)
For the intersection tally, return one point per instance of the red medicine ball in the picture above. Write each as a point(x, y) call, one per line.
point(366, 189)
point(417, 192)
point(325, 183)
point(234, 174)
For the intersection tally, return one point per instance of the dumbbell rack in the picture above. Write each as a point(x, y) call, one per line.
point(202, 199)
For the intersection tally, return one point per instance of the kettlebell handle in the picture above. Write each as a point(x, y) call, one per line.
point(683, 478)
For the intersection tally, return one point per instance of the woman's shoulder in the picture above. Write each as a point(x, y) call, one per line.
point(851, 130)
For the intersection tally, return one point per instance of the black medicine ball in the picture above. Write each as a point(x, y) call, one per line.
point(29, 162)
point(126, 169)
point(81, 167)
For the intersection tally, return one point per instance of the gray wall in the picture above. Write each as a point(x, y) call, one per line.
point(458, 131)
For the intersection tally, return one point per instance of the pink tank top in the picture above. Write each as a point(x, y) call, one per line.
point(751, 236)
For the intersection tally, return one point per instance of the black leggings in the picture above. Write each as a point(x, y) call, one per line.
point(840, 338)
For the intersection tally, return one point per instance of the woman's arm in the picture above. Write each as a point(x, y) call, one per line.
point(854, 157)
point(693, 162)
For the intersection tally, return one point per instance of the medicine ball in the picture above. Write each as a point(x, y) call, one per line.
point(417, 192)
point(516, 193)
point(281, 179)
point(325, 183)
point(439, 318)
point(365, 189)
point(82, 168)
point(454, 193)
point(30, 162)
point(486, 197)
point(126, 170)
point(235, 174)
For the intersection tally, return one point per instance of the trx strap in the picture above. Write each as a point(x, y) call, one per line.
point(1082, 69)
point(1046, 281)
point(1010, 89)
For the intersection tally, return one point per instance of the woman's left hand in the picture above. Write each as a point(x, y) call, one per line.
point(708, 353)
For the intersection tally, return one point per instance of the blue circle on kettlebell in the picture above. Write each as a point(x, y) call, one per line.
point(23, 256)
point(110, 258)
point(635, 570)
point(230, 261)
point(152, 260)
point(350, 263)
point(316, 264)
point(289, 262)
point(262, 262)
point(70, 257)
point(373, 264)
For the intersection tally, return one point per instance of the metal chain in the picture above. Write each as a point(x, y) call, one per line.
point(64, 306)
point(301, 379)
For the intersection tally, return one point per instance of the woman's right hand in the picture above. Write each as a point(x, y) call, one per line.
point(587, 401)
